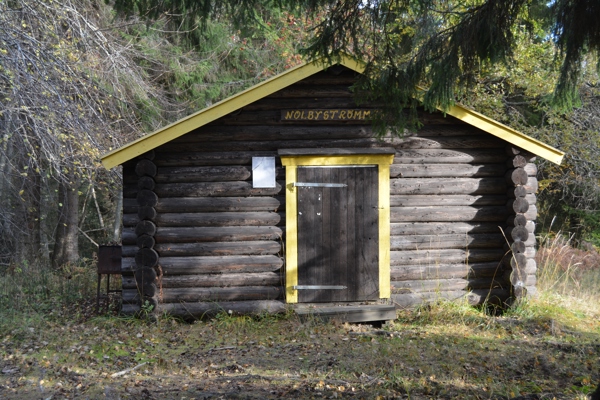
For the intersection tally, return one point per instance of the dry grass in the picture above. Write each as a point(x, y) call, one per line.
point(568, 271)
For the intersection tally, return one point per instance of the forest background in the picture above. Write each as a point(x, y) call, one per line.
point(78, 79)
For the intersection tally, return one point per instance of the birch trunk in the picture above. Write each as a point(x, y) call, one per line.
point(66, 249)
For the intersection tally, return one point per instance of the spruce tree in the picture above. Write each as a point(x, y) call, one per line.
point(410, 44)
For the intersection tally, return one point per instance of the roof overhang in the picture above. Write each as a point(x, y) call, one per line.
point(276, 83)
point(506, 133)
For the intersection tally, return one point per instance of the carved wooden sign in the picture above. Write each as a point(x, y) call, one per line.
point(326, 115)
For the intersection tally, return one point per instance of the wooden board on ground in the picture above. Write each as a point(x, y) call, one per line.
point(343, 313)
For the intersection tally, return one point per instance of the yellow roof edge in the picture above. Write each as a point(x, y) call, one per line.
point(222, 108)
point(502, 131)
point(272, 85)
point(506, 133)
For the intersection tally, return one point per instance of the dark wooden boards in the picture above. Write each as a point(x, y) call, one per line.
point(208, 219)
point(213, 280)
point(213, 264)
point(497, 297)
point(446, 271)
point(209, 204)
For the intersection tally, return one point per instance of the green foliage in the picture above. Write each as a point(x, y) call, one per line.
point(58, 113)
point(146, 309)
point(577, 33)
point(445, 46)
point(519, 94)
point(192, 76)
point(191, 17)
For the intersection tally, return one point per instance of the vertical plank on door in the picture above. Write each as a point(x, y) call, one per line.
point(328, 253)
point(338, 212)
point(351, 246)
point(310, 265)
point(367, 228)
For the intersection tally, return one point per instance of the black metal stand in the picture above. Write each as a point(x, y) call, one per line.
point(108, 291)
point(109, 263)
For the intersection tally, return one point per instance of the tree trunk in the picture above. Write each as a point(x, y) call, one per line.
point(118, 218)
point(26, 200)
point(66, 249)
point(32, 240)
point(5, 199)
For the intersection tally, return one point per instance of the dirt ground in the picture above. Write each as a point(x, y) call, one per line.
point(422, 355)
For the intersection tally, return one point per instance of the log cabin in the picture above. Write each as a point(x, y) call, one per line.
point(281, 197)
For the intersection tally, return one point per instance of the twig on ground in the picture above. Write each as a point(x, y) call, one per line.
point(222, 348)
point(125, 371)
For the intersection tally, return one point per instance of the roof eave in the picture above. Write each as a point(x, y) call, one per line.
point(506, 133)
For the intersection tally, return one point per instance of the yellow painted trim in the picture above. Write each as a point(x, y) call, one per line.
point(506, 133)
point(384, 231)
point(383, 161)
point(502, 131)
point(220, 109)
point(291, 235)
point(359, 159)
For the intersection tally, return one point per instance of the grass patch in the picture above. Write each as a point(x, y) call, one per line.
point(34, 295)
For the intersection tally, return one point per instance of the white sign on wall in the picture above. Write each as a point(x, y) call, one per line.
point(263, 172)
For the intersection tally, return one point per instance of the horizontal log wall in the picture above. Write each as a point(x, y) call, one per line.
point(448, 217)
point(219, 240)
point(212, 308)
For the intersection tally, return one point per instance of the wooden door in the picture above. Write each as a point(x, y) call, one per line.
point(338, 233)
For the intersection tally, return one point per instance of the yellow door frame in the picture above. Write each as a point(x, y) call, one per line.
point(291, 163)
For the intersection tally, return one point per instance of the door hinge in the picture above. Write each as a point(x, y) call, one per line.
point(319, 287)
point(314, 184)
